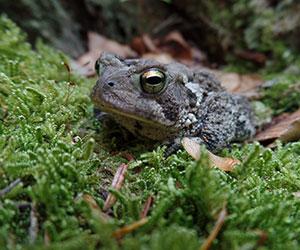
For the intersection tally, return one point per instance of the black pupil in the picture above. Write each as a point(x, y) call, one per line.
point(97, 66)
point(153, 80)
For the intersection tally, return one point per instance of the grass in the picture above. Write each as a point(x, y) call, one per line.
point(59, 155)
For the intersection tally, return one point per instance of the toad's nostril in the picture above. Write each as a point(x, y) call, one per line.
point(111, 84)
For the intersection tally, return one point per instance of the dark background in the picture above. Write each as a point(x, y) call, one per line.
point(254, 33)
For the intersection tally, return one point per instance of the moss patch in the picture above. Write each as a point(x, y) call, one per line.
point(51, 144)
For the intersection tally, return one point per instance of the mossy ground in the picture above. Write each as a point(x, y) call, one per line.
point(50, 140)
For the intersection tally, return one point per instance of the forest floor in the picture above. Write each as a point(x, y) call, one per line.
point(57, 164)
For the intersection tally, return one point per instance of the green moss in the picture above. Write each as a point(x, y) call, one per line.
point(267, 27)
point(282, 93)
point(50, 140)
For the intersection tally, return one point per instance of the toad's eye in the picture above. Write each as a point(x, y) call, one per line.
point(97, 67)
point(153, 81)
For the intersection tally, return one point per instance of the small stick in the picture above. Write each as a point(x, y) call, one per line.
point(7, 189)
point(126, 155)
point(147, 206)
point(213, 234)
point(129, 228)
point(47, 238)
point(96, 210)
point(34, 224)
point(263, 236)
point(116, 184)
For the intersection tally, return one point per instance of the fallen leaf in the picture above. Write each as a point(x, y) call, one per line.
point(116, 184)
point(83, 70)
point(161, 57)
point(194, 150)
point(97, 42)
point(224, 163)
point(238, 83)
point(175, 45)
point(96, 45)
point(144, 44)
point(214, 233)
point(253, 56)
point(129, 228)
point(172, 47)
point(198, 56)
point(292, 133)
point(287, 129)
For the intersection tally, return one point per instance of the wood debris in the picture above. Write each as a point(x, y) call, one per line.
point(96, 210)
point(129, 228)
point(214, 233)
point(116, 184)
point(286, 130)
point(147, 207)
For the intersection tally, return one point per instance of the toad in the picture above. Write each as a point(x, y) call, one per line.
point(166, 102)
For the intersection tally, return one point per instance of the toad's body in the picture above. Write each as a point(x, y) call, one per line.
point(164, 102)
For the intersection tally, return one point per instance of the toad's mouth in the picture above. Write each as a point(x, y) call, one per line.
point(139, 116)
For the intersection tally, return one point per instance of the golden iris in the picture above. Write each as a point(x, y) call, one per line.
point(153, 81)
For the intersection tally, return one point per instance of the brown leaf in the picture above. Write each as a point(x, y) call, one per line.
point(138, 45)
point(175, 45)
point(144, 44)
point(287, 129)
point(167, 49)
point(237, 83)
point(214, 233)
point(194, 150)
point(96, 45)
point(149, 43)
point(129, 228)
point(224, 163)
point(161, 57)
point(198, 55)
point(253, 56)
point(116, 184)
point(97, 42)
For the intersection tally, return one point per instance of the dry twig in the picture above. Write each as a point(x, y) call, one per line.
point(213, 234)
point(7, 189)
point(116, 184)
point(34, 224)
point(129, 228)
point(96, 210)
point(147, 206)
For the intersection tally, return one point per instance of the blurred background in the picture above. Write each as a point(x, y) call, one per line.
point(247, 34)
